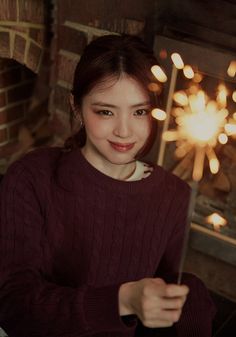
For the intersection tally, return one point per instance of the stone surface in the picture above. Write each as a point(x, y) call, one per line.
point(217, 275)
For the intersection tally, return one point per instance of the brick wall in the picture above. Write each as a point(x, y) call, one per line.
point(22, 31)
point(24, 68)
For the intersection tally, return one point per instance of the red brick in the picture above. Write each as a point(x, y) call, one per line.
point(8, 149)
point(2, 99)
point(8, 10)
point(20, 92)
point(14, 130)
point(71, 40)
point(66, 68)
point(19, 49)
point(61, 99)
point(33, 57)
point(37, 35)
point(32, 11)
point(11, 114)
point(3, 135)
point(5, 44)
point(10, 77)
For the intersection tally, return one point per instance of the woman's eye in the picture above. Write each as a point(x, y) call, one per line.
point(141, 112)
point(104, 113)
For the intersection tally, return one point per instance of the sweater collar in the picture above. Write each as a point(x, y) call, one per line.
point(72, 167)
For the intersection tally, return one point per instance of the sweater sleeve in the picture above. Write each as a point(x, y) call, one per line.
point(30, 305)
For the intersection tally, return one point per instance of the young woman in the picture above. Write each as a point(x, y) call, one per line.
point(91, 235)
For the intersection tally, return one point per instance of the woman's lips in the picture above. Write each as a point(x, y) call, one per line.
point(122, 147)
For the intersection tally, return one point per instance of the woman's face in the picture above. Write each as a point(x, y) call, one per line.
point(116, 115)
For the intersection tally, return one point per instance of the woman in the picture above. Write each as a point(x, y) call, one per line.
point(91, 235)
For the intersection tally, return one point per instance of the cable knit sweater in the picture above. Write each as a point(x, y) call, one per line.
point(70, 236)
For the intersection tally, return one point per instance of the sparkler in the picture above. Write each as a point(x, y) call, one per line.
point(201, 124)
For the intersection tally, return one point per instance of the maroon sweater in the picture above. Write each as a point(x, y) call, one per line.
point(70, 236)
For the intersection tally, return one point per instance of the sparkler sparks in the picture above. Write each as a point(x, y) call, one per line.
point(201, 123)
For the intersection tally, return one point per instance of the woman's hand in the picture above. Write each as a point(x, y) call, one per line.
point(156, 303)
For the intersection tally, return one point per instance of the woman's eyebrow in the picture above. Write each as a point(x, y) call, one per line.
point(109, 105)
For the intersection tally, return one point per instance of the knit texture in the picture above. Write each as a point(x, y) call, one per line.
point(70, 236)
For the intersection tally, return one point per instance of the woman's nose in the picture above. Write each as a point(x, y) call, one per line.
point(122, 128)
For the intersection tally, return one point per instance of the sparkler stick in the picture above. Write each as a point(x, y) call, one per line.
point(168, 110)
point(191, 207)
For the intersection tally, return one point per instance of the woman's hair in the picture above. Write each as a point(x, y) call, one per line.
point(110, 56)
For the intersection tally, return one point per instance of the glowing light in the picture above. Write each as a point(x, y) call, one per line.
point(222, 138)
point(159, 73)
point(216, 220)
point(177, 60)
point(213, 161)
point(231, 71)
point(222, 96)
point(159, 114)
point(200, 125)
point(230, 129)
point(234, 96)
point(155, 87)
point(234, 115)
point(188, 72)
point(197, 78)
point(180, 98)
point(163, 54)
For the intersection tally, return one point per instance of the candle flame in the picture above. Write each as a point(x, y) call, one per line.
point(177, 60)
point(216, 220)
point(159, 73)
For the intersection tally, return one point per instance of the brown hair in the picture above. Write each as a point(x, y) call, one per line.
point(111, 56)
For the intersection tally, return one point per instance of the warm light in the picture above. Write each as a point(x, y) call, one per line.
point(180, 98)
point(231, 71)
point(234, 115)
point(213, 161)
point(222, 138)
point(177, 60)
point(197, 78)
point(159, 114)
point(154, 87)
point(216, 220)
point(230, 129)
point(222, 96)
point(198, 163)
point(188, 72)
point(163, 54)
point(170, 136)
point(159, 73)
point(178, 112)
point(234, 96)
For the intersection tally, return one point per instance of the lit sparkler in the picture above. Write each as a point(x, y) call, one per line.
point(201, 124)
